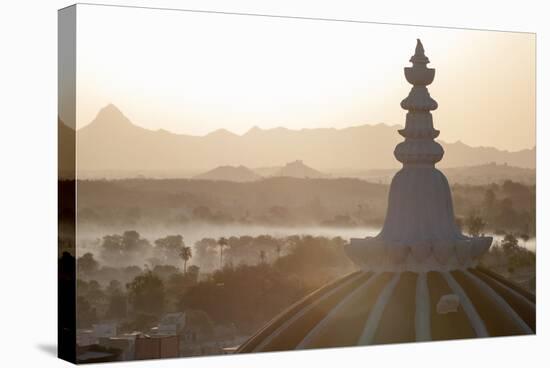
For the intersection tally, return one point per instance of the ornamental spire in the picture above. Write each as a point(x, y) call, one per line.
point(420, 232)
point(419, 147)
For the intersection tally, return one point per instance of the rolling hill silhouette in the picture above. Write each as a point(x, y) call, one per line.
point(230, 173)
point(111, 143)
point(298, 169)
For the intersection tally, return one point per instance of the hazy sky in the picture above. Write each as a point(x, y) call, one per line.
point(194, 73)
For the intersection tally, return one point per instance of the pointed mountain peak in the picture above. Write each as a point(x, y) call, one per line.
point(111, 107)
point(460, 143)
point(110, 110)
point(111, 115)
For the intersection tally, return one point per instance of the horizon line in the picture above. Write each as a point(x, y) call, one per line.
point(253, 127)
point(256, 127)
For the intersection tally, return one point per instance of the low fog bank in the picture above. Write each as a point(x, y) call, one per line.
point(92, 239)
point(89, 236)
point(309, 205)
point(273, 241)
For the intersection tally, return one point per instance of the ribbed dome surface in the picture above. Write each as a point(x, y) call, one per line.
point(366, 308)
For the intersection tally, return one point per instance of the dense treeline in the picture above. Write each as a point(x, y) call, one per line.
point(270, 201)
point(509, 206)
point(270, 274)
point(506, 208)
point(274, 273)
point(242, 281)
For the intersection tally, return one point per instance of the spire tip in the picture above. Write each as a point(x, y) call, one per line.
point(419, 57)
point(419, 47)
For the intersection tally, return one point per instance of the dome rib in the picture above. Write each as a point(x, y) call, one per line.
point(447, 326)
point(348, 325)
point(366, 308)
point(422, 309)
point(397, 321)
point(373, 321)
point(499, 317)
point(341, 321)
point(469, 308)
point(255, 340)
point(520, 303)
point(291, 332)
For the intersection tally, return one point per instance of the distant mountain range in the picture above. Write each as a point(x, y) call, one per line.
point(112, 144)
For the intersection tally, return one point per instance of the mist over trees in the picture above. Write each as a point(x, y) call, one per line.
point(130, 274)
point(251, 279)
point(338, 203)
point(509, 207)
point(258, 277)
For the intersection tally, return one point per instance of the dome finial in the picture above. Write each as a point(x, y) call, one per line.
point(419, 57)
point(419, 48)
point(420, 232)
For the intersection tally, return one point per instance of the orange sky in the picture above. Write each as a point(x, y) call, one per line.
point(194, 73)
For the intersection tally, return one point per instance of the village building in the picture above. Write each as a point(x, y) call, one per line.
point(156, 346)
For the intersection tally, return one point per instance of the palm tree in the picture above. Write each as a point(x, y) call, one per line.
point(222, 242)
point(185, 254)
